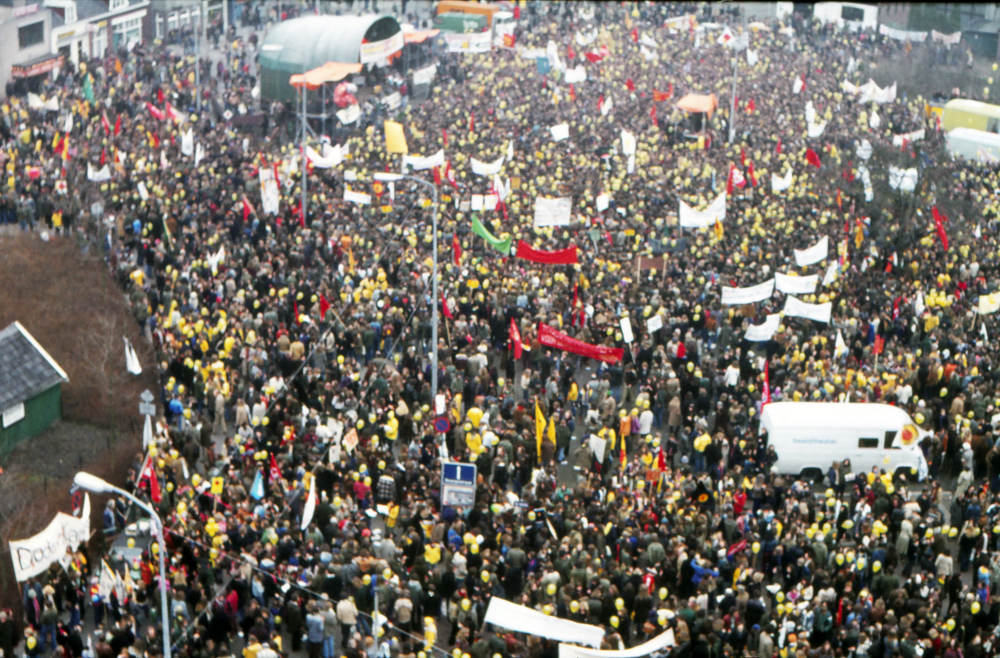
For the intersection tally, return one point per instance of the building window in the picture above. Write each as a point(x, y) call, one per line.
point(172, 21)
point(69, 14)
point(159, 26)
point(100, 43)
point(117, 4)
point(185, 17)
point(128, 31)
point(31, 35)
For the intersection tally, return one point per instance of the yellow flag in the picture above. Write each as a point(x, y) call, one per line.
point(718, 230)
point(859, 236)
point(395, 140)
point(552, 429)
point(539, 429)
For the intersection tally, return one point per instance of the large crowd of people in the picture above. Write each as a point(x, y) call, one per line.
point(294, 353)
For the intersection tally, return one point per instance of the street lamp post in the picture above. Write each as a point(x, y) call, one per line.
point(386, 177)
point(95, 484)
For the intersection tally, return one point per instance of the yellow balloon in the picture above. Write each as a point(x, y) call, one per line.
point(614, 621)
point(663, 593)
point(551, 589)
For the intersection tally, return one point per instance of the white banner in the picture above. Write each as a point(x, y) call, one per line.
point(798, 309)
point(269, 193)
point(349, 114)
point(525, 620)
point(419, 164)
point(187, 143)
point(628, 143)
point(864, 149)
point(425, 75)
point(487, 168)
point(947, 39)
point(915, 136)
point(98, 175)
point(902, 179)
point(716, 211)
point(758, 293)
point(814, 130)
point(780, 184)
point(757, 333)
point(901, 35)
point(33, 556)
point(831, 273)
point(35, 103)
point(989, 303)
point(795, 285)
point(657, 644)
point(332, 156)
point(552, 212)
point(478, 42)
point(576, 76)
point(357, 197)
point(378, 50)
point(813, 254)
point(654, 323)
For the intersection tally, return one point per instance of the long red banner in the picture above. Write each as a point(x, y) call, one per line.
point(562, 257)
point(551, 338)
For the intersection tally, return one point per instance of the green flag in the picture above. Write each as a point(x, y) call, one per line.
point(503, 246)
point(88, 89)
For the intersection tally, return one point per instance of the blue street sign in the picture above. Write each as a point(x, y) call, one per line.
point(458, 484)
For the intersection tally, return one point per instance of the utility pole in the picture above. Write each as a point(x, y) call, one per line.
point(302, 150)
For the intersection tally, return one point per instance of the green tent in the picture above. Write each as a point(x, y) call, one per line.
point(302, 44)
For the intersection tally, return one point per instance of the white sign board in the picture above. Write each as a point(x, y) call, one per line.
point(799, 309)
point(758, 293)
point(552, 212)
point(379, 50)
point(796, 285)
point(34, 555)
point(458, 484)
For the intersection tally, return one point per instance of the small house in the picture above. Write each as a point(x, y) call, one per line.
point(30, 387)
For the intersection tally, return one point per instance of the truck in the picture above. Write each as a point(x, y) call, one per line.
point(965, 113)
point(975, 145)
point(809, 437)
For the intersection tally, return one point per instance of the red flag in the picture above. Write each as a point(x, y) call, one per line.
point(635, 35)
point(681, 350)
point(445, 309)
point(106, 124)
point(600, 102)
point(437, 176)
point(450, 175)
point(576, 295)
point(879, 344)
point(324, 306)
point(118, 125)
point(630, 84)
point(444, 134)
point(509, 40)
point(895, 306)
point(803, 82)
point(743, 157)
point(247, 209)
point(517, 12)
point(515, 338)
point(159, 95)
point(939, 220)
point(777, 149)
point(652, 114)
point(572, 93)
point(472, 122)
point(660, 96)
point(888, 266)
point(156, 140)
point(149, 474)
point(456, 249)
point(751, 175)
point(766, 392)
point(661, 460)
point(104, 156)
point(594, 58)
point(155, 111)
point(274, 472)
point(751, 106)
point(839, 200)
point(570, 53)
point(812, 158)
point(735, 180)
point(295, 309)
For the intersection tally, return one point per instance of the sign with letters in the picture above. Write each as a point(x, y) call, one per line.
point(34, 555)
point(458, 484)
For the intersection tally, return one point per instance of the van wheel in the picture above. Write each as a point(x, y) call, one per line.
point(903, 475)
point(813, 475)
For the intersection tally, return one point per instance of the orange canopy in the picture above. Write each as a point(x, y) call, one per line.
point(699, 103)
point(419, 36)
point(329, 72)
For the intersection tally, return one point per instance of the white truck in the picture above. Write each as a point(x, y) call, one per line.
point(810, 436)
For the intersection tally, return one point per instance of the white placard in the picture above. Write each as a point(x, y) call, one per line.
point(813, 254)
point(479, 42)
point(419, 164)
point(795, 285)
point(603, 201)
point(628, 143)
point(393, 100)
point(378, 50)
point(477, 202)
point(425, 75)
point(576, 76)
point(691, 218)
point(626, 326)
point(349, 114)
point(598, 446)
point(902, 179)
point(780, 184)
point(270, 195)
point(757, 333)
point(357, 197)
point(654, 323)
point(552, 212)
point(560, 132)
point(798, 309)
point(738, 296)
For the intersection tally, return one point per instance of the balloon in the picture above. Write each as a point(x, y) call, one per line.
point(367, 580)
point(620, 603)
point(614, 621)
point(876, 566)
point(387, 574)
point(976, 607)
point(755, 547)
point(131, 542)
point(574, 607)
point(663, 593)
point(551, 589)
point(840, 558)
point(950, 624)
point(466, 604)
point(780, 596)
point(485, 576)
point(547, 609)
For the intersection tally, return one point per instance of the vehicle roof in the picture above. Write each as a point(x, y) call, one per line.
point(783, 415)
point(976, 107)
point(975, 136)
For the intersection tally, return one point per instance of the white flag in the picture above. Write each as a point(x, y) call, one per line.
point(187, 143)
point(68, 128)
point(797, 85)
point(840, 347)
point(752, 57)
point(131, 359)
point(606, 106)
point(199, 154)
point(147, 434)
point(310, 508)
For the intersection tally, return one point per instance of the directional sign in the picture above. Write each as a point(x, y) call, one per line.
point(458, 484)
point(147, 409)
point(146, 396)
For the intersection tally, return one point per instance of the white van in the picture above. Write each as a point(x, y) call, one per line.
point(809, 436)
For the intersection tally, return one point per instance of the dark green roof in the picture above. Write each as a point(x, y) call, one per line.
point(302, 44)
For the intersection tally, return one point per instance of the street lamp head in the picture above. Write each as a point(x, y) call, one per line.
point(91, 483)
point(387, 177)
